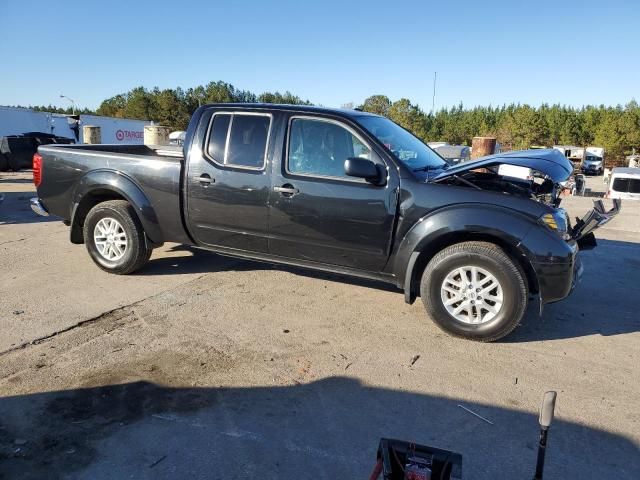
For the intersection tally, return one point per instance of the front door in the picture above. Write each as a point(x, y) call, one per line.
point(228, 182)
point(319, 214)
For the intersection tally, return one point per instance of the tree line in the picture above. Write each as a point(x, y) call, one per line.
point(516, 126)
point(173, 107)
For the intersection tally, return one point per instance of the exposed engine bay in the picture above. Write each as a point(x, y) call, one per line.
point(542, 175)
point(538, 187)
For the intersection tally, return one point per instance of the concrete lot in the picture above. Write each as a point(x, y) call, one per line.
point(201, 366)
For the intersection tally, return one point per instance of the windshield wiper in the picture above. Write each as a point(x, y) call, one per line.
point(428, 168)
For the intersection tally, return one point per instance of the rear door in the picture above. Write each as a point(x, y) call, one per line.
point(228, 182)
point(319, 214)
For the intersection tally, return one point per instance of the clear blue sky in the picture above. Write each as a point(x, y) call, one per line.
point(330, 52)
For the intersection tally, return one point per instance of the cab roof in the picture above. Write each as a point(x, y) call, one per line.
point(343, 112)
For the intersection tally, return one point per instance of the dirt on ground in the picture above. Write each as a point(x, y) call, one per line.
point(207, 367)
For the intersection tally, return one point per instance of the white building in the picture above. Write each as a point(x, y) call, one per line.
point(17, 121)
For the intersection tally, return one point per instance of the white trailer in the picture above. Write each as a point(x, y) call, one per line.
point(123, 131)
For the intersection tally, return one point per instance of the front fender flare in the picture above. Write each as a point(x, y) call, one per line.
point(453, 224)
point(103, 181)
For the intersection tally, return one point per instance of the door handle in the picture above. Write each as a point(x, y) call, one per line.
point(205, 179)
point(287, 190)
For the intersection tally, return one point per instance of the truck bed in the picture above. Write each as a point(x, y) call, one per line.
point(156, 170)
point(140, 150)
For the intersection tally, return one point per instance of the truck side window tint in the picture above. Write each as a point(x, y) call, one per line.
point(218, 137)
point(320, 148)
point(248, 140)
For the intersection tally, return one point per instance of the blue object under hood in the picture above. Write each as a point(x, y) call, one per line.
point(549, 162)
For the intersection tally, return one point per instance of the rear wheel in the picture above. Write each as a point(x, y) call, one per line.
point(474, 290)
point(114, 237)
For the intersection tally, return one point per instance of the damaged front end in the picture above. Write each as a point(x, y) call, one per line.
point(539, 175)
point(582, 231)
point(536, 174)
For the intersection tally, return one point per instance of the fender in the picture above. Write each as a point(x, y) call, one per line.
point(455, 223)
point(102, 182)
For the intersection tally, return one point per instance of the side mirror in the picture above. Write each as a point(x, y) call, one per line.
point(363, 168)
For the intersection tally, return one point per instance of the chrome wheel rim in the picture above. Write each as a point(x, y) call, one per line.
point(472, 295)
point(110, 239)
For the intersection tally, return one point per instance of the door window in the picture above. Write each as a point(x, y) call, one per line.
point(239, 140)
point(319, 148)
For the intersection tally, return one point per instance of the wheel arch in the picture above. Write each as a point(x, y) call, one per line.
point(101, 186)
point(502, 227)
point(424, 256)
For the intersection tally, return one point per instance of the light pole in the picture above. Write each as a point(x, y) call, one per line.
point(73, 104)
point(433, 101)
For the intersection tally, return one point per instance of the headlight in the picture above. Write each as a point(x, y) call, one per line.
point(558, 221)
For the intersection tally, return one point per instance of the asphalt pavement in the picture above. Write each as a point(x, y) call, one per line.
point(201, 366)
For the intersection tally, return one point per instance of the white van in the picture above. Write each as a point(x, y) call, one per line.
point(624, 184)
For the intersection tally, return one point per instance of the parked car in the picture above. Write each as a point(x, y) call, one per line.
point(624, 183)
point(342, 191)
point(16, 151)
point(454, 154)
point(177, 138)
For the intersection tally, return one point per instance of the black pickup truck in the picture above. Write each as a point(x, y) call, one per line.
point(335, 190)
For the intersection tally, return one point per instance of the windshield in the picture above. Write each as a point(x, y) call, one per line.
point(407, 148)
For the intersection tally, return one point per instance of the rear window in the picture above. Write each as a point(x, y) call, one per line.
point(626, 185)
point(239, 139)
point(218, 137)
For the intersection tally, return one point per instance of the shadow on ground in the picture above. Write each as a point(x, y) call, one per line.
point(196, 260)
point(604, 303)
point(325, 429)
point(15, 209)
point(15, 180)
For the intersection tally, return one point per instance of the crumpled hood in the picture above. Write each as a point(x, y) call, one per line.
point(550, 162)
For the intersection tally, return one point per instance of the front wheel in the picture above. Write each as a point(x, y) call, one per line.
point(114, 237)
point(474, 290)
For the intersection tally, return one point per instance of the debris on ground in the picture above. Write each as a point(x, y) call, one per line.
point(414, 359)
point(157, 461)
point(474, 413)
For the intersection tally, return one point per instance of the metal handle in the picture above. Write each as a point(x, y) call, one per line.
point(286, 190)
point(205, 179)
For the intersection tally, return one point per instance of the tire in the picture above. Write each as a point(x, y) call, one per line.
point(508, 299)
point(116, 222)
point(4, 163)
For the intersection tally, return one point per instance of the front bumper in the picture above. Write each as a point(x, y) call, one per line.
point(558, 277)
point(38, 208)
